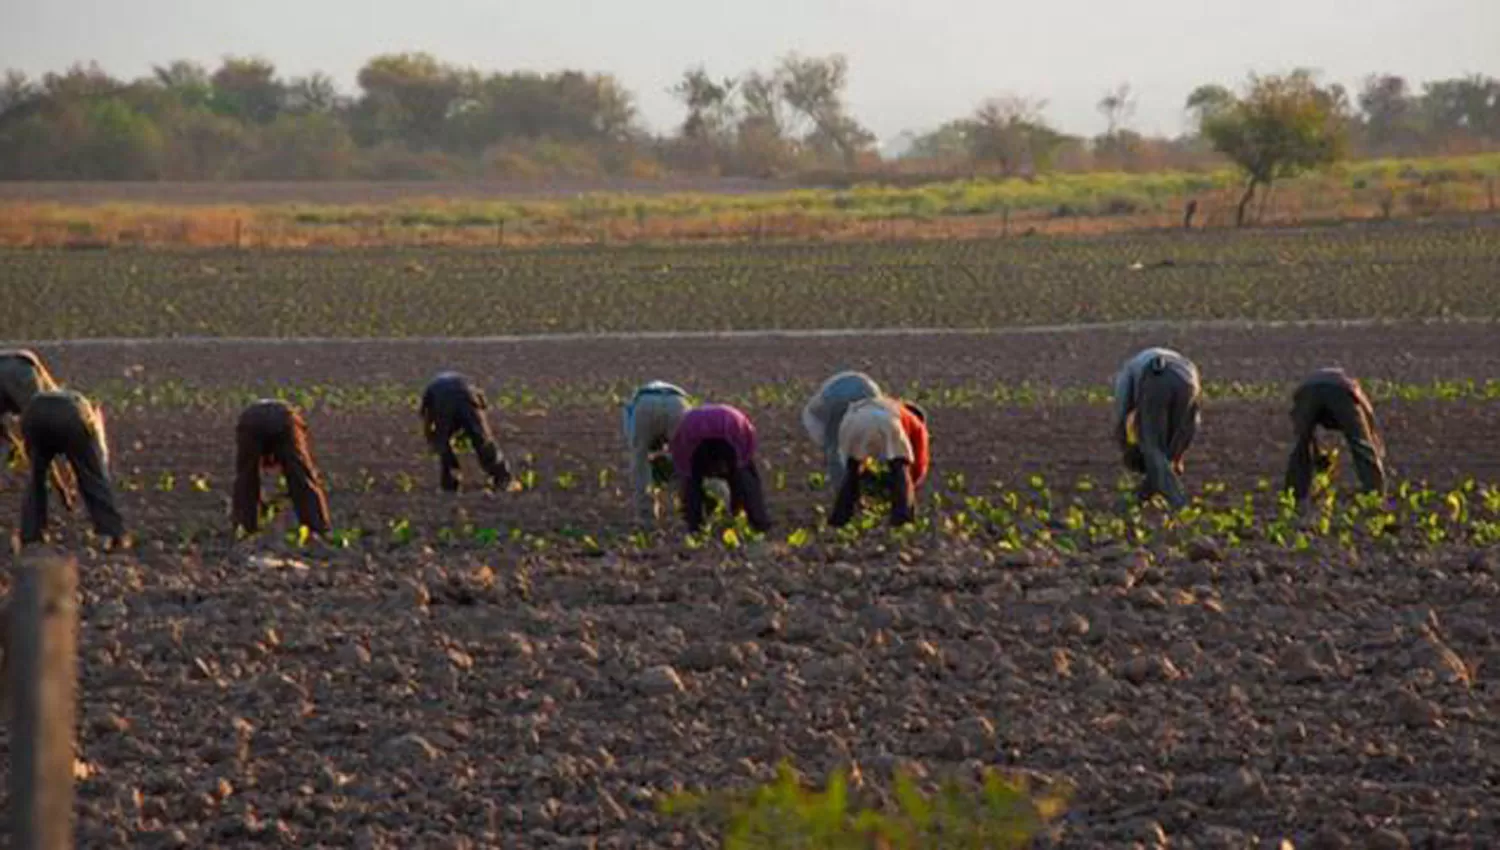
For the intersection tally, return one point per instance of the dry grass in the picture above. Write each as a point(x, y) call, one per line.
point(281, 220)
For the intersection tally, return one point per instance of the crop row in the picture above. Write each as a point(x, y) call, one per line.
point(1395, 271)
point(516, 396)
point(1007, 522)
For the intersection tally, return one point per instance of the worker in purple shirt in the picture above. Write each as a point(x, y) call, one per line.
point(718, 441)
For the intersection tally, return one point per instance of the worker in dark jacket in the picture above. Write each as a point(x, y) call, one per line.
point(271, 434)
point(22, 376)
point(60, 424)
point(887, 431)
point(718, 441)
point(1331, 399)
point(1156, 417)
point(451, 407)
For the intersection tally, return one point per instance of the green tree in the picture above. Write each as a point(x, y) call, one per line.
point(1464, 106)
point(1208, 100)
point(311, 146)
point(247, 89)
point(949, 143)
point(122, 144)
point(203, 146)
point(1282, 126)
point(408, 96)
point(187, 81)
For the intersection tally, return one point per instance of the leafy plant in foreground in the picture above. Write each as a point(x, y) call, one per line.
point(785, 815)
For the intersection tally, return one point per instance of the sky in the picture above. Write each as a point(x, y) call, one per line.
point(913, 64)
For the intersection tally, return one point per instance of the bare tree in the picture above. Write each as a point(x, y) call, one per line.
point(1009, 132)
point(1118, 108)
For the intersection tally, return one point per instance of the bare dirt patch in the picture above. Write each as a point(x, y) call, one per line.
point(448, 691)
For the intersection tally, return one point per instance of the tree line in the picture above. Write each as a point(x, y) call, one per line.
point(416, 117)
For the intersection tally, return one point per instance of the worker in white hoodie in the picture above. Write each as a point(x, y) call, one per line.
point(1156, 415)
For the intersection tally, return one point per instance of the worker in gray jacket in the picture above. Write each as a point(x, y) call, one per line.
point(62, 424)
point(824, 413)
point(1156, 416)
point(1331, 399)
point(650, 419)
point(22, 376)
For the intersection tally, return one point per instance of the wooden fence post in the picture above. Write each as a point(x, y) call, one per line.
point(43, 679)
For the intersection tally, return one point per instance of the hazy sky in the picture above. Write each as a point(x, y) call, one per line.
point(913, 64)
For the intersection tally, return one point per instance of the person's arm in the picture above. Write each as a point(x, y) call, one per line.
point(1372, 424)
point(1124, 402)
point(425, 411)
point(815, 419)
point(917, 435)
point(640, 466)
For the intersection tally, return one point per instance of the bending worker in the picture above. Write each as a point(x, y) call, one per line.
point(718, 441)
point(271, 434)
point(1156, 416)
point(451, 407)
point(22, 376)
point(1331, 399)
point(651, 418)
point(825, 411)
point(63, 424)
point(886, 431)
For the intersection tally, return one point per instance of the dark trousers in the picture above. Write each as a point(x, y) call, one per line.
point(903, 493)
point(452, 410)
point(1166, 421)
point(11, 439)
point(716, 459)
point(275, 435)
point(1339, 408)
point(55, 428)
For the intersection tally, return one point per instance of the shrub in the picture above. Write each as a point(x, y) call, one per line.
point(784, 815)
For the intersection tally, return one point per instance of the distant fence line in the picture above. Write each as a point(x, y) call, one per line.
point(104, 227)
